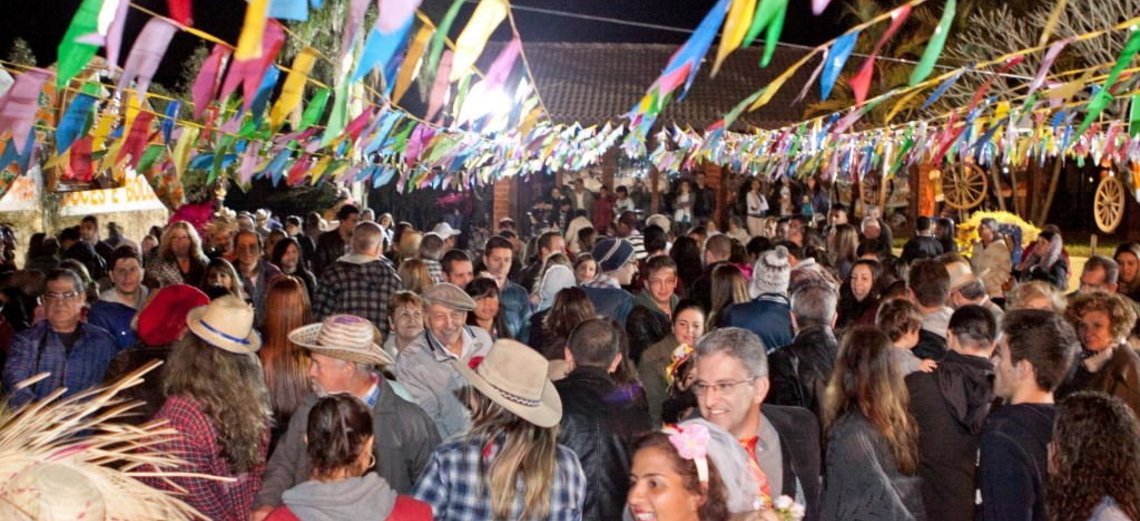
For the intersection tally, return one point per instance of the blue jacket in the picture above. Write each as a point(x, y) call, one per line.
point(610, 302)
point(39, 349)
point(116, 319)
point(769, 316)
point(515, 305)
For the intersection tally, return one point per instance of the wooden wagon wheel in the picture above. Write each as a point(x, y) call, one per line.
point(1108, 206)
point(964, 186)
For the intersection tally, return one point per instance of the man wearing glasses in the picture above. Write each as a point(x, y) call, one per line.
point(782, 442)
point(74, 352)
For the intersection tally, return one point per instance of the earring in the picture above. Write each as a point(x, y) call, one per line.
point(371, 460)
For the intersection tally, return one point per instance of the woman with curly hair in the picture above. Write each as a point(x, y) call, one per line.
point(872, 439)
point(1103, 321)
point(1094, 464)
point(860, 295)
point(217, 401)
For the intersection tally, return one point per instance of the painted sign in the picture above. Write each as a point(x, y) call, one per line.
point(135, 195)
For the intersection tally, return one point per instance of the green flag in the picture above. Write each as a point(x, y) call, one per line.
point(934, 47)
point(73, 55)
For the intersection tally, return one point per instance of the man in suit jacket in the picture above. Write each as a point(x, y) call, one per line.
point(581, 198)
point(782, 442)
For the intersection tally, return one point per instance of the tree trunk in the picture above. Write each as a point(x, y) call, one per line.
point(1057, 167)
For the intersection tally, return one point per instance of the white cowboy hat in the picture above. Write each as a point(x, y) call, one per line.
point(960, 274)
point(347, 337)
point(227, 324)
point(515, 376)
point(445, 230)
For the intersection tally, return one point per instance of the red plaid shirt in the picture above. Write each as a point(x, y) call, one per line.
point(199, 447)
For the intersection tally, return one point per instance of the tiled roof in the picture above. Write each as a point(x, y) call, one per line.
point(594, 83)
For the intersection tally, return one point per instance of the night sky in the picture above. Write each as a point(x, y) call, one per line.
point(43, 22)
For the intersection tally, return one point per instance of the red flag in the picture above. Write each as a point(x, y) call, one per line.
point(861, 83)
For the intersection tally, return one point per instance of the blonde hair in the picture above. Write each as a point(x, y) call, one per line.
point(1026, 291)
point(166, 251)
point(527, 450)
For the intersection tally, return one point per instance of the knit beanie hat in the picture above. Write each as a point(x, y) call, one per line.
point(771, 272)
point(612, 254)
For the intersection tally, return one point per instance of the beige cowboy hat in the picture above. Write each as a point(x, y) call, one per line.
point(960, 274)
point(515, 377)
point(227, 324)
point(347, 337)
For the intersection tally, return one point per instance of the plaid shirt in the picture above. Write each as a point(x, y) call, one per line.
point(435, 270)
point(39, 349)
point(453, 484)
point(198, 446)
point(358, 285)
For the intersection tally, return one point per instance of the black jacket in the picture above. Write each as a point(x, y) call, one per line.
point(645, 326)
point(801, 450)
point(799, 371)
point(931, 346)
point(921, 247)
point(950, 406)
point(599, 425)
point(85, 254)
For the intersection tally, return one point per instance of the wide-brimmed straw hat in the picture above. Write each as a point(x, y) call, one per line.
point(227, 324)
point(51, 491)
point(347, 337)
point(514, 376)
point(960, 274)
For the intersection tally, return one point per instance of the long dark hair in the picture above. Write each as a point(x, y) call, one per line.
point(715, 504)
point(1096, 453)
point(339, 429)
point(483, 287)
point(851, 308)
point(687, 254)
point(865, 381)
point(571, 307)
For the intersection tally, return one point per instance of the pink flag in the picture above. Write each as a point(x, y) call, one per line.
point(393, 13)
point(417, 143)
point(206, 85)
point(439, 90)
point(861, 82)
point(146, 54)
point(248, 73)
point(503, 64)
point(248, 163)
point(356, 10)
point(1046, 63)
point(18, 105)
point(817, 6)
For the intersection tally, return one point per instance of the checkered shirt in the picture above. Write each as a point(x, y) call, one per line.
point(361, 289)
point(39, 349)
point(453, 485)
point(198, 445)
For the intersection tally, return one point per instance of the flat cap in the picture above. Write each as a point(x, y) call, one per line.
point(449, 296)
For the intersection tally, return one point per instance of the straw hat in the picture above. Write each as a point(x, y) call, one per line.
point(227, 324)
point(960, 274)
point(515, 377)
point(347, 337)
point(51, 491)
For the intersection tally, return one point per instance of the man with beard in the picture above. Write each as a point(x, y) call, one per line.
point(345, 359)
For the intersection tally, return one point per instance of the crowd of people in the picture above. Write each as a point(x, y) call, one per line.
point(791, 366)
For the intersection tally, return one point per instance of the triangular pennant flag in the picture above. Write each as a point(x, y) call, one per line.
point(249, 73)
point(72, 54)
point(934, 46)
point(439, 90)
point(837, 58)
point(297, 10)
point(264, 92)
point(356, 11)
point(735, 28)
point(171, 116)
point(817, 6)
point(182, 11)
point(861, 82)
point(294, 86)
point(136, 139)
point(379, 49)
point(146, 54)
point(315, 110)
point(1047, 62)
point(1101, 99)
point(206, 84)
point(18, 105)
point(486, 18)
point(249, 46)
point(395, 13)
point(772, 33)
point(74, 122)
point(339, 115)
point(435, 47)
point(114, 43)
point(411, 65)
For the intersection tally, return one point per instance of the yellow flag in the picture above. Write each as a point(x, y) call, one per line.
point(183, 147)
point(411, 66)
point(294, 86)
point(252, 30)
point(102, 130)
point(735, 28)
point(901, 104)
point(774, 87)
point(487, 16)
point(1070, 89)
point(112, 155)
point(318, 169)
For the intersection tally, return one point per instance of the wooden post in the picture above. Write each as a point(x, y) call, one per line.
point(994, 169)
point(1057, 167)
point(1092, 244)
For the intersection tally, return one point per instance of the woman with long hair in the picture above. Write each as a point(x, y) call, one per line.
point(415, 275)
point(220, 277)
point(872, 440)
point(843, 245)
point(728, 287)
point(683, 202)
point(947, 233)
point(488, 313)
point(860, 294)
point(676, 474)
point(284, 364)
point(288, 256)
point(1128, 258)
point(991, 259)
point(217, 401)
point(687, 254)
point(340, 437)
point(180, 259)
point(1094, 460)
point(571, 307)
point(509, 465)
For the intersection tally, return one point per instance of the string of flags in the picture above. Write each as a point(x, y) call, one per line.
point(254, 118)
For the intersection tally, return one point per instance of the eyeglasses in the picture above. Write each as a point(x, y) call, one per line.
point(55, 296)
point(701, 388)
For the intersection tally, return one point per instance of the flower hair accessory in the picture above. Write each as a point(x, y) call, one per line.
point(692, 443)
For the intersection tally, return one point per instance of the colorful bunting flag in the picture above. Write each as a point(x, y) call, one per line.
point(486, 18)
point(861, 82)
point(435, 48)
point(182, 11)
point(735, 28)
point(379, 49)
point(206, 85)
point(73, 55)
point(294, 86)
point(395, 13)
point(18, 106)
point(297, 10)
point(934, 46)
point(837, 58)
point(146, 55)
point(249, 46)
point(411, 65)
point(74, 122)
point(1101, 99)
